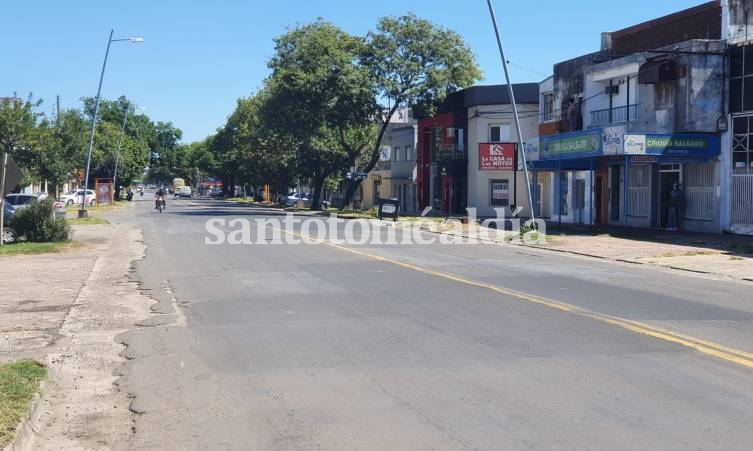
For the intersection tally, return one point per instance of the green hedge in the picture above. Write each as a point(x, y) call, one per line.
point(37, 223)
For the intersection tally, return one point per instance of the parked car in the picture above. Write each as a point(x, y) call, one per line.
point(185, 191)
point(74, 197)
point(9, 235)
point(20, 200)
point(292, 200)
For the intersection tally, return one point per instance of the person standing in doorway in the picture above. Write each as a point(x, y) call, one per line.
point(676, 206)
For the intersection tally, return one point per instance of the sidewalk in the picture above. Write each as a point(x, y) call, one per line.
point(717, 255)
point(65, 309)
point(721, 255)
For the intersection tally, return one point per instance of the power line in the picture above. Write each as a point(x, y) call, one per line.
point(511, 63)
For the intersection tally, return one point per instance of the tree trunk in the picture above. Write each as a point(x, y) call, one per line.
point(350, 191)
point(317, 194)
point(354, 184)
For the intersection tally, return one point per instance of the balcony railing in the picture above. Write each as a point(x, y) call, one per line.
point(451, 154)
point(615, 115)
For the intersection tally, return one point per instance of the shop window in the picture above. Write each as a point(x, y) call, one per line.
point(742, 139)
point(499, 133)
point(500, 192)
point(548, 107)
point(741, 78)
point(495, 132)
point(663, 94)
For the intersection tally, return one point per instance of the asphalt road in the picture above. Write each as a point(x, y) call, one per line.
point(428, 347)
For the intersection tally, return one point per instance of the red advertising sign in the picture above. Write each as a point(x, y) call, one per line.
point(497, 157)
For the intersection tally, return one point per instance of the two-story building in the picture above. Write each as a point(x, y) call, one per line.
point(635, 118)
point(394, 176)
point(737, 142)
point(468, 149)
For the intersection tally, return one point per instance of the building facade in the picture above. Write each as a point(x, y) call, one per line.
point(737, 142)
point(643, 113)
point(394, 176)
point(466, 151)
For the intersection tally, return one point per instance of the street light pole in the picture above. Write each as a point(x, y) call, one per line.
point(521, 148)
point(82, 213)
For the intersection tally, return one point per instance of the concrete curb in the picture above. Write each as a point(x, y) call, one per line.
point(26, 432)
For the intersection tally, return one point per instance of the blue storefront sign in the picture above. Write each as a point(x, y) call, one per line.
point(585, 143)
point(673, 146)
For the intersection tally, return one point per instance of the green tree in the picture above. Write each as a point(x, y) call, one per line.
point(18, 129)
point(139, 142)
point(61, 148)
point(414, 63)
point(321, 100)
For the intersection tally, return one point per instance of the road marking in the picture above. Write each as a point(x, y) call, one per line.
point(729, 354)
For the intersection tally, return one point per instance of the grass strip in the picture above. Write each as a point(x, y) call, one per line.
point(19, 381)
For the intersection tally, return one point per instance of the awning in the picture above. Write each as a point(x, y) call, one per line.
point(617, 72)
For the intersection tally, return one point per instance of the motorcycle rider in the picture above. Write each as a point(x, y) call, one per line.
point(159, 196)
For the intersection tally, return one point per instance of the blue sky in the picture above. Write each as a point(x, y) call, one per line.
point(199, 57)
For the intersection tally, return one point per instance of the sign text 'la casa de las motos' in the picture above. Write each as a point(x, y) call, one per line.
point(497, 157)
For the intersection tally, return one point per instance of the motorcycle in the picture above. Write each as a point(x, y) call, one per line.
point(160, 203)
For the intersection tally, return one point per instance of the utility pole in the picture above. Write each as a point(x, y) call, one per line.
point(521, 148)
point(3, 170)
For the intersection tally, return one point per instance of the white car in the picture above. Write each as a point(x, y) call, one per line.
point(74, 197)
point(292, 200)
point(184, 191)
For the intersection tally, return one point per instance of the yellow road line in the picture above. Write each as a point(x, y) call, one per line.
point(703, 346)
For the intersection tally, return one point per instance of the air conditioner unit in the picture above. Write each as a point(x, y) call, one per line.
point(614, 89)
point(451, 132)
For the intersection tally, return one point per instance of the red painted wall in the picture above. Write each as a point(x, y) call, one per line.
point(423, 157)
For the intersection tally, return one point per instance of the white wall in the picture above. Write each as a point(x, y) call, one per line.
point(479, 120)
point(573, 216)
point(601, 102)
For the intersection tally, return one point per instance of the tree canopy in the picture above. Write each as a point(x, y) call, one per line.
point(326, 105)
point(54, 149)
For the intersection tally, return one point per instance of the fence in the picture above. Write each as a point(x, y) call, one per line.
point(699, 192)
point(639, 194)
point(742, 199)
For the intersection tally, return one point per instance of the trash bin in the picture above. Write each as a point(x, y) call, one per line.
point(58, 210)
point(388, 208)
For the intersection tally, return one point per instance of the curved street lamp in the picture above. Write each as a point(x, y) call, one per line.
point(134, 40)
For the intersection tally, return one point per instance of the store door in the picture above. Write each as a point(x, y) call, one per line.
point(599, 219)
point(459, 196)
point(667, 178)
point(614, 194)
point(579, 201)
